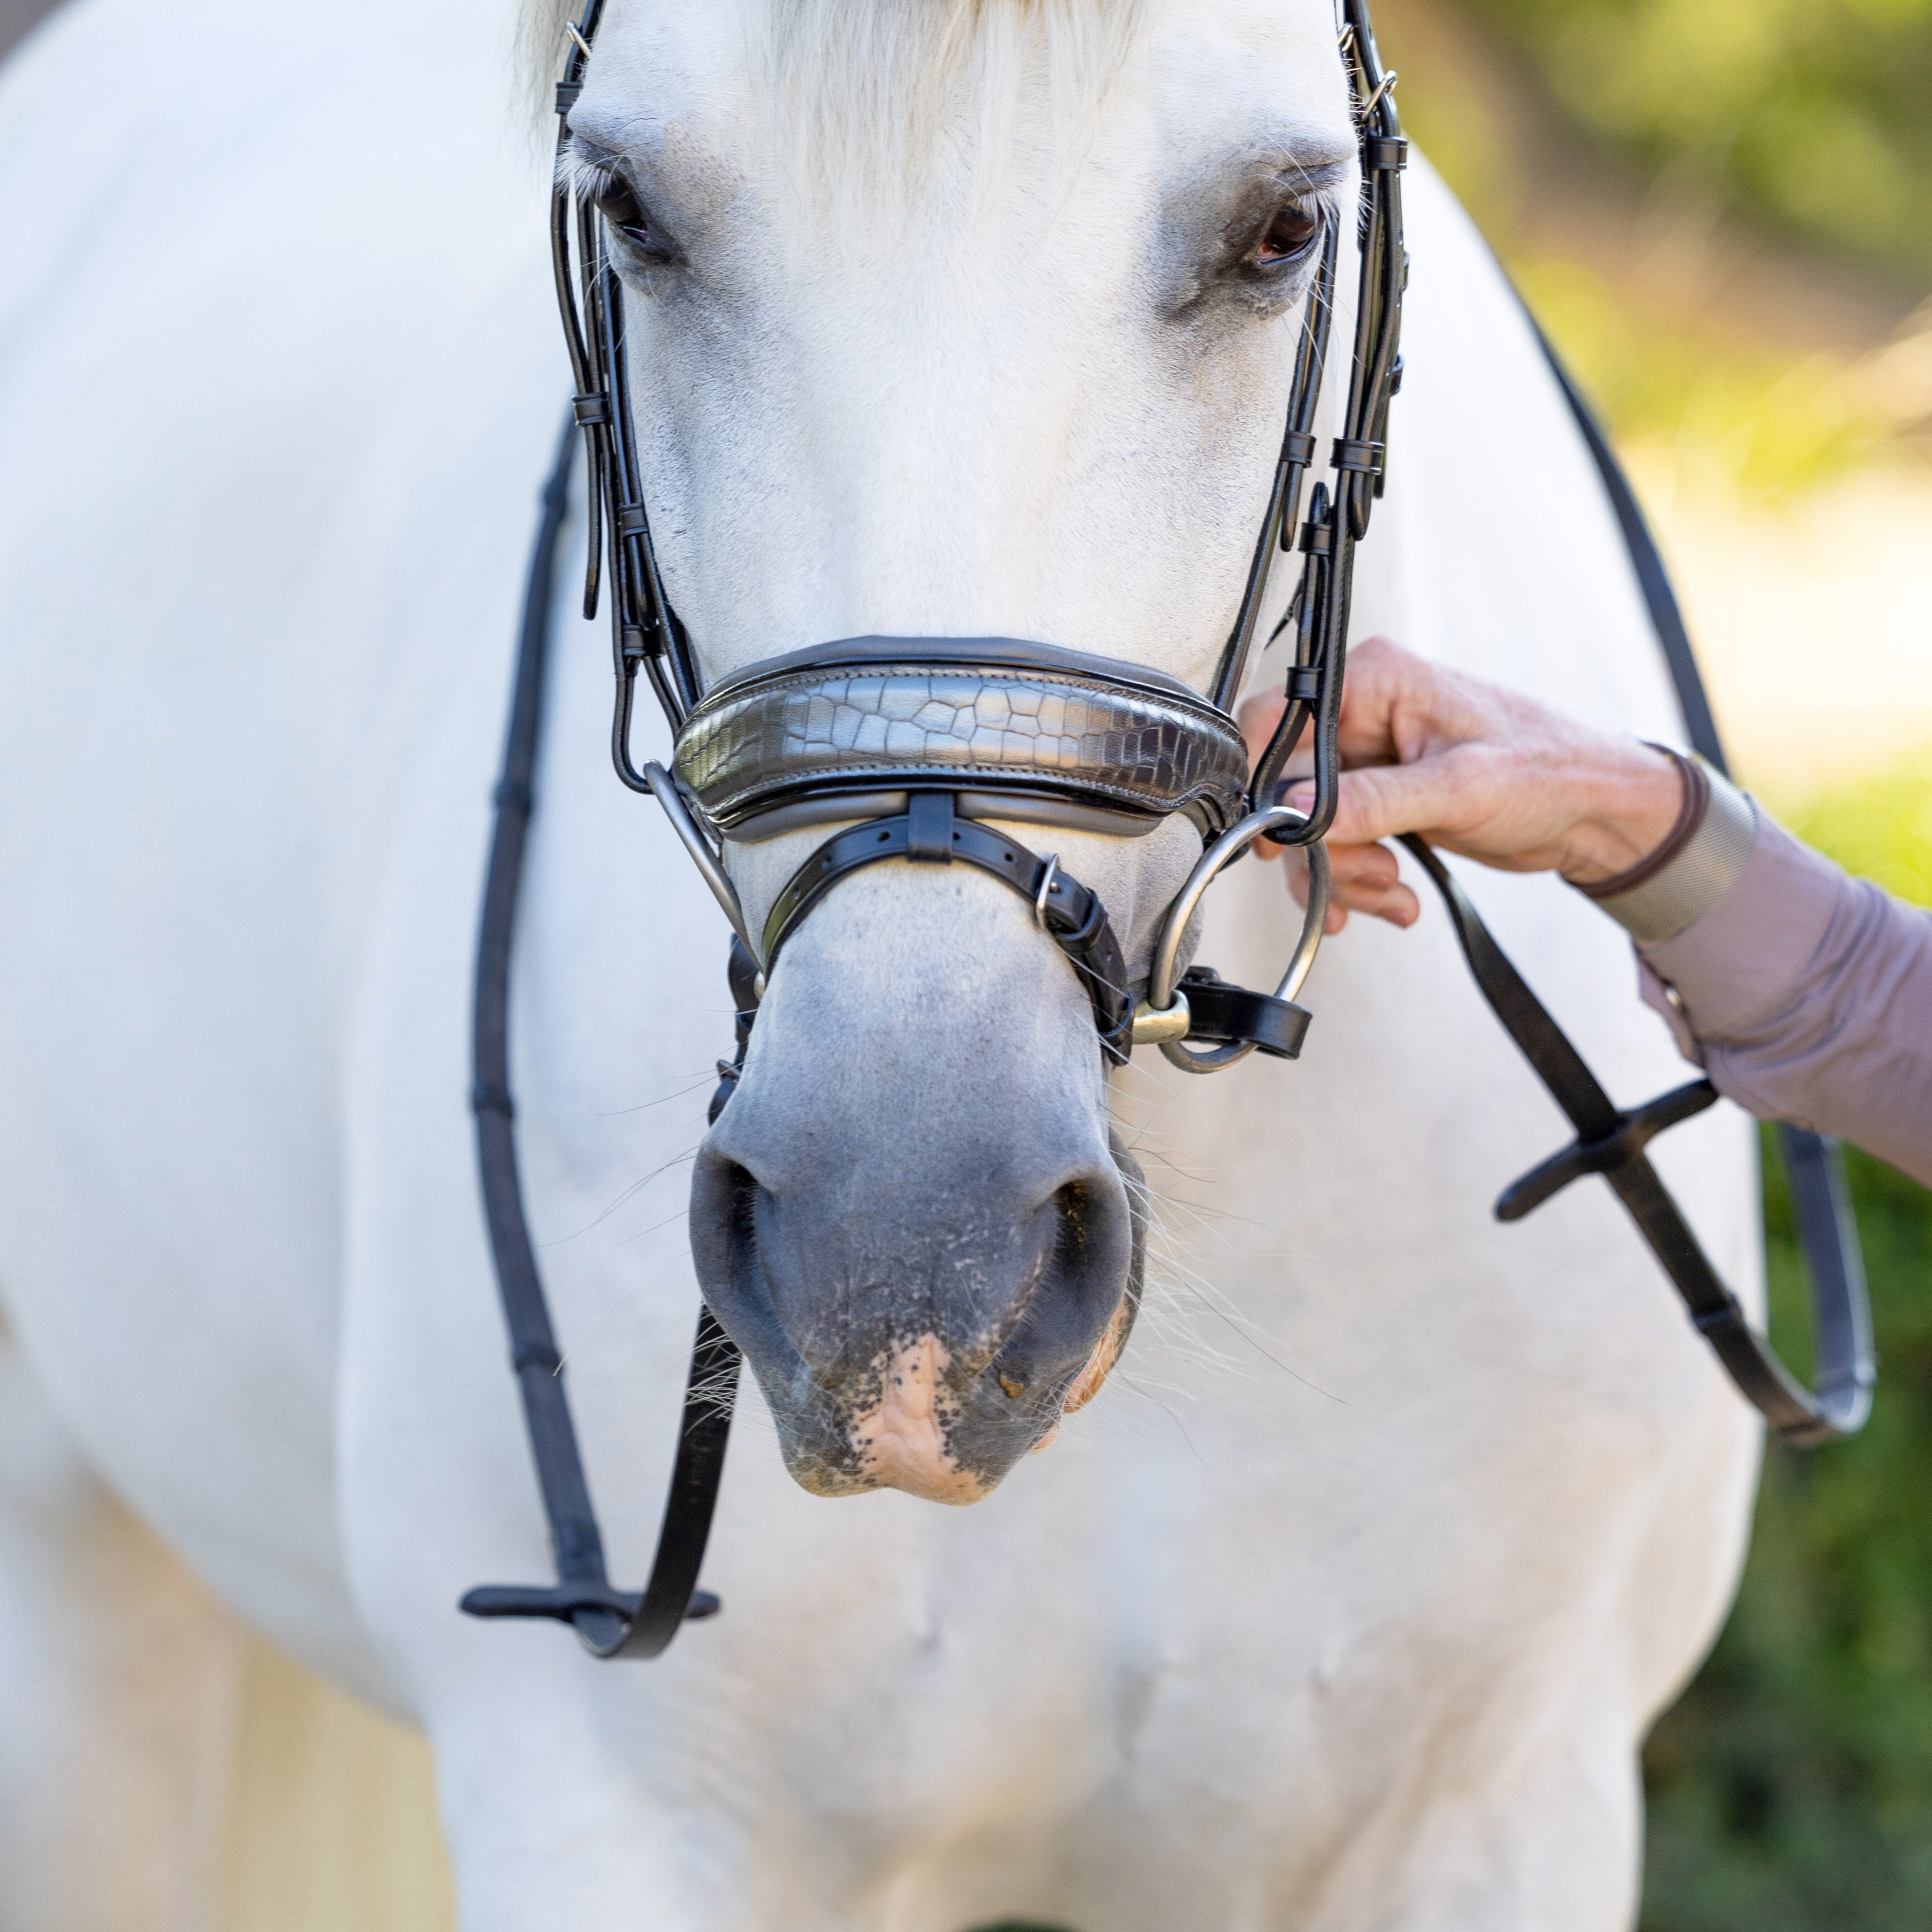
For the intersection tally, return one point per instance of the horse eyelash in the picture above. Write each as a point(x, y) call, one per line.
point(578, 174)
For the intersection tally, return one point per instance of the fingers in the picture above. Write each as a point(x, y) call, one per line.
point(1398, 905)
point(1393, 702)
point(1257, 718)
point(1381, 676)
point(1468, 766)
point(1477, 769)
point(1361, 878)
point(1355, 869)
point(1382, 801)
point(1296, 869)
point(1397, 707)
point(1367, 878)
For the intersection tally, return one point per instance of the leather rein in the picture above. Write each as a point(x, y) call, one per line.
point(914, 748)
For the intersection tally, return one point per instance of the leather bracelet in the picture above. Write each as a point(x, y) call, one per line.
point(1694, 803)
point(1678, 883)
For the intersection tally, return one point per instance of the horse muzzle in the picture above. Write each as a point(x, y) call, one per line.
point(919, 1302)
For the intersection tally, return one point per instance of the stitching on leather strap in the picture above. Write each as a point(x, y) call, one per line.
point(755, 744)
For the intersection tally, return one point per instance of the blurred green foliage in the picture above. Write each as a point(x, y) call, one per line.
point(1769, 425)
point(1812, 121)
point(1880, 828)
point(1790, 1789)
point(1811, 115)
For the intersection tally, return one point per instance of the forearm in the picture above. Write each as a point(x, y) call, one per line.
point(1806, 995)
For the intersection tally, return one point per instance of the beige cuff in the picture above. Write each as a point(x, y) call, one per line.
point(1679, 896)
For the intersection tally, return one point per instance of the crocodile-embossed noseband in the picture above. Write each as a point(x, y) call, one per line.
point(1024, 731)
point(916, 737)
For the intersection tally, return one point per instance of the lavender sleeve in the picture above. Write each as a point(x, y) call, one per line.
point(1806, 995)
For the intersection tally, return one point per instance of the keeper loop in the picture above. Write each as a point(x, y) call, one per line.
point(1706, 1320)
point(929, 828)
point(1385, 152)
point(1298, 446)
point(486, 1099)
point(1358, 454)
point(593, 408)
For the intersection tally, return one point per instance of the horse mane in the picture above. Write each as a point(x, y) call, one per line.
point(871, 92)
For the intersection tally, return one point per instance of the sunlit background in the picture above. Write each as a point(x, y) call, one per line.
point(1722, 212)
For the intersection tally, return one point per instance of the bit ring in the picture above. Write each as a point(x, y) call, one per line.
point(1162, 980)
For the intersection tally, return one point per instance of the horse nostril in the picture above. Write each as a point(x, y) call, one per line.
point(740, 1190)
point(1073, 1208)
point(908, 1325)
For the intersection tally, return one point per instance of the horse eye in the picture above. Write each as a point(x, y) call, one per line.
point(618, 204)
point(1287, 235)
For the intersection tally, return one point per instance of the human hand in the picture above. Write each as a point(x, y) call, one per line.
point(1477, 769)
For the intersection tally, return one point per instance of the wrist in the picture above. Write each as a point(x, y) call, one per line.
point(1634, 803)
point(1692, 870)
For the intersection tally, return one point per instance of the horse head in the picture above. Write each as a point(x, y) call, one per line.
point(949, 319)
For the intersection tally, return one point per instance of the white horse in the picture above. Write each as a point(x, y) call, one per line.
point(1346, 1603)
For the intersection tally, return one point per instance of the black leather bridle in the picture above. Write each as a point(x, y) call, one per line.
point(926, 750)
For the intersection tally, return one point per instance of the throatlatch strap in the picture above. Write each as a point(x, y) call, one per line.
point(610, 1622)
point(1610, 1141)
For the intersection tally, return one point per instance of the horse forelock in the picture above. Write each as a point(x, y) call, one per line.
point(869, 94)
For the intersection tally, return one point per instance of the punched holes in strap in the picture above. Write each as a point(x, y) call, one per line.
point(1075, 916)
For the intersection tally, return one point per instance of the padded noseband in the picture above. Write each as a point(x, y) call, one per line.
point(1029, 731)
point(918, 737)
